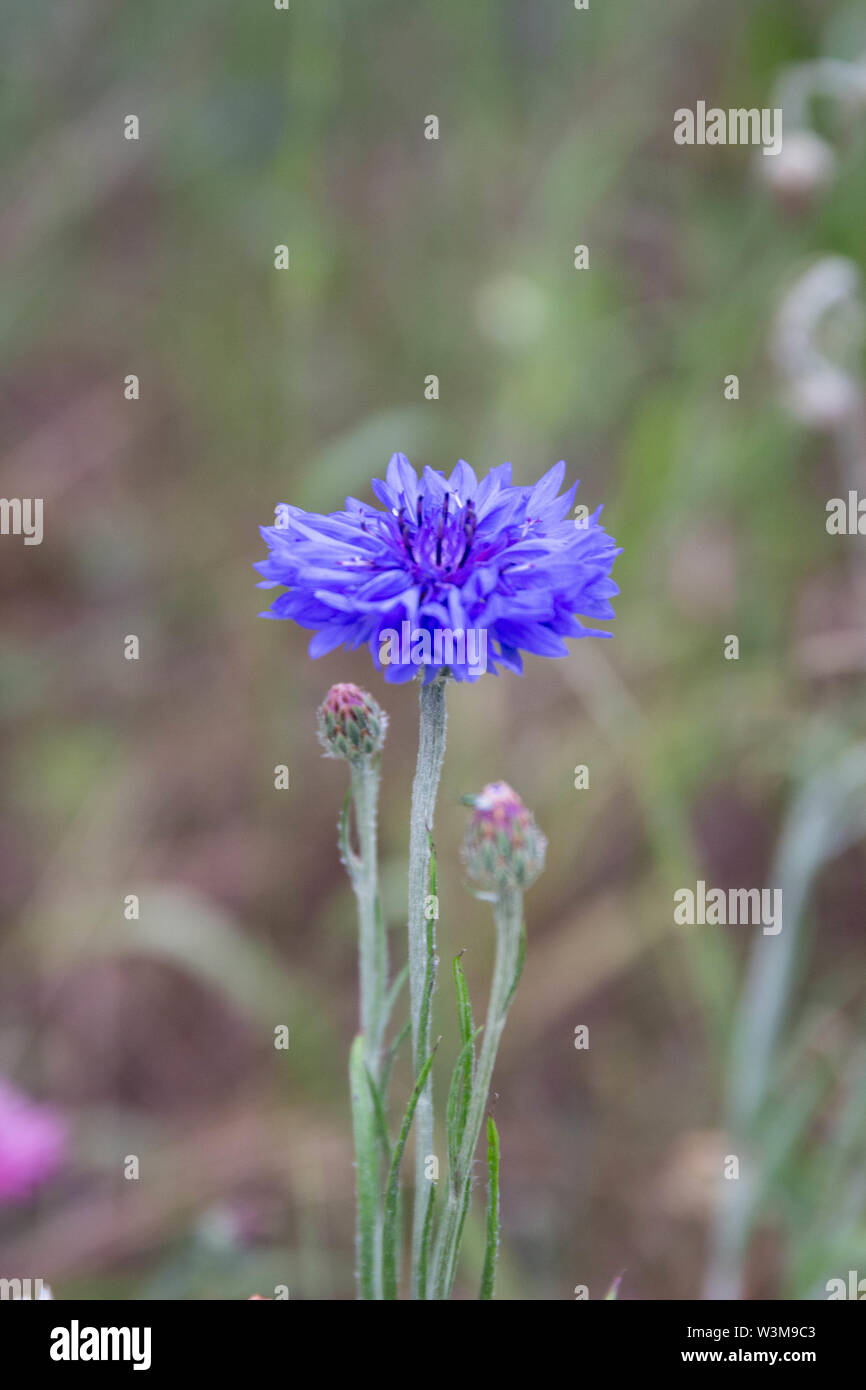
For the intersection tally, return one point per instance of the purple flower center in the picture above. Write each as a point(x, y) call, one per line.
point(436, 541)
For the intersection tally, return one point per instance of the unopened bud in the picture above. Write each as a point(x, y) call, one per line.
point(503, 847)
point(351, 724)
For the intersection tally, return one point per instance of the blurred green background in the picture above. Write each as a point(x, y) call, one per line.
point(408, 258)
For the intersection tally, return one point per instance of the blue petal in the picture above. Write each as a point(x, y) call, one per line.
point(546, 489)
point(402, 478)
point(463, 481)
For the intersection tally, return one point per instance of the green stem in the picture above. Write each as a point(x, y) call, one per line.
point(431, 750)
point(368, 1225)
point(366, 1061)
point(372, 941)
point(508, 913)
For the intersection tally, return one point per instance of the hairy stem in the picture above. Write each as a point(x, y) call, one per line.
point(368, 1216)
point(366, 1058)
point(372, 941)
point(431, 750)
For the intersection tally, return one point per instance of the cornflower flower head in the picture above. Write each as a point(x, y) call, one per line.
point(444, 556)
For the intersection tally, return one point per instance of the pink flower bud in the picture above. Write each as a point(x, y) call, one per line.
point(351, 724)
point(503, 847)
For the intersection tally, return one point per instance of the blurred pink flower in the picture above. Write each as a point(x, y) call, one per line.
point(32, 1142)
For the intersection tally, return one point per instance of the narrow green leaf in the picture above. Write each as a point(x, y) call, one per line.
point(466, 1060)
point(392, 1191)
point(426, 1239)
point(454, 1259)
point(464, 1006)
point(391, 1054)
point(488, 1274)
point(394, 991)
point(367, 1169)
point(379, 1117)
point(458, 1102)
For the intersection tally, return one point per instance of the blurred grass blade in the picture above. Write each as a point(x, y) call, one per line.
point(826, 817)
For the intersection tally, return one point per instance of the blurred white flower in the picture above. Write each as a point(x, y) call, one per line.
point(817, 390)
point(805, 167)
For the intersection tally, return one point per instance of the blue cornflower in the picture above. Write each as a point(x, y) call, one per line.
point(455, 572)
